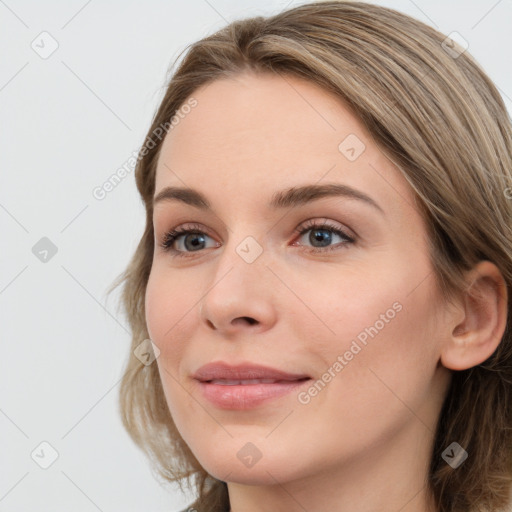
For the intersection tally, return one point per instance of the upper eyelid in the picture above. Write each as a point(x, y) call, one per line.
point(306, 225)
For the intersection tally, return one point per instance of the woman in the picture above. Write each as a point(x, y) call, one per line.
point(341, 340)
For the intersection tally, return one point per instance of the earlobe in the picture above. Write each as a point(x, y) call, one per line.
point(475, 338)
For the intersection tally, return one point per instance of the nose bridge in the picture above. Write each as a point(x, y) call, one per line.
point(239, 287)
point(244, 246)
point(242, 261)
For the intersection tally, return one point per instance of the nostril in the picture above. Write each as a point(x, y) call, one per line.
point(248, 319)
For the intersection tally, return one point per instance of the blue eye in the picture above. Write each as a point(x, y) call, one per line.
point(321, 233)
point(194, 238)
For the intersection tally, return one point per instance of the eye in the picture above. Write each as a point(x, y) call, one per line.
point(193, 238)
point(320, 235)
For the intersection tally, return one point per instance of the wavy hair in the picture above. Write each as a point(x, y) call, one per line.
point(434, 112)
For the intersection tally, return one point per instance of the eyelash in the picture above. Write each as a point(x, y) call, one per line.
point(171, 236)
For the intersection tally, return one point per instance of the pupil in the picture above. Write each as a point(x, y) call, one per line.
point(315, 236)
point(194, 236)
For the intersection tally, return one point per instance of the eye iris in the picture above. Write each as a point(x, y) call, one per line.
point(195, 237)
point(316, 237)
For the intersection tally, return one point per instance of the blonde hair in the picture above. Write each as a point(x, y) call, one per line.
point(440, 119)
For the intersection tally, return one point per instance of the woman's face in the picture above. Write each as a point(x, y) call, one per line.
point(362, 318)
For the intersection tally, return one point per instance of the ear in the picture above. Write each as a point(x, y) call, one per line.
point(479, 323)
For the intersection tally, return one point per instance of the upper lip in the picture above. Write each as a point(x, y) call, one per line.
point(221, 370)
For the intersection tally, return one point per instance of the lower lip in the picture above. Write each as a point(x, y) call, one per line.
point(247, 396)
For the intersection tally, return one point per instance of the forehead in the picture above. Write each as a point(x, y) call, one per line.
point(251, 134)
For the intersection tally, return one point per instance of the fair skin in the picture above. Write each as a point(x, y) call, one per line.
point(363, 442)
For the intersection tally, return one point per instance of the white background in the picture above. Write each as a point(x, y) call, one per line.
point(68, 123)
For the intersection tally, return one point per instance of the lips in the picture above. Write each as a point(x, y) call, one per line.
point(246, 386)
point(244, 382)
point(244, 374)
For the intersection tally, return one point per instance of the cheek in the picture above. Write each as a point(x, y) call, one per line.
point(386, 337)
point(380, 320)
point(169, 307)
point(386, 382)
point(170, 314)
point(352, 305)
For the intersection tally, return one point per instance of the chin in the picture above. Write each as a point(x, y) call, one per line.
point(260, 474)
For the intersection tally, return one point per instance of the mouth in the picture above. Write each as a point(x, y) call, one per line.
point(245, 385)
point(221, 371)
point(250, 382)
point(248, 394)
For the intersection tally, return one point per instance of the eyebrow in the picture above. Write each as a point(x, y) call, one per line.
point(291, 197)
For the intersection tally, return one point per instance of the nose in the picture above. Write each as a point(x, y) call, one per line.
point(241, 296)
